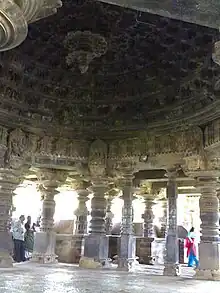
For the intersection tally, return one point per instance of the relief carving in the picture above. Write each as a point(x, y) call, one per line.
point(45, 145)
point(83, 47)
point(98, 158)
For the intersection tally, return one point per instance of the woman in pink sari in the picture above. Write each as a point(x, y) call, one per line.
point(191, 249)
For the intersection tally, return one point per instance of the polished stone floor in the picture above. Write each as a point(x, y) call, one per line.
point(32, 278)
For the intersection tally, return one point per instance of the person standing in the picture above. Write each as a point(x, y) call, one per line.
point(18, 238)
point(28, 239)
point(191, 249)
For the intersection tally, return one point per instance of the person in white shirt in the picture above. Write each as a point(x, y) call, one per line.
point(18, 237)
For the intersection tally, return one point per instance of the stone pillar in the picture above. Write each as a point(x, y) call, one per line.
point(127, 245)
point(109, 215)
point(97, 243)
point(146, 242)
point(81, 214)
point(45, 240)
point(171, 261)
point(209, 247)
point(163, 218)
point(9, 180)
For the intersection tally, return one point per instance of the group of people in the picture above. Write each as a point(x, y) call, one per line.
point(23, 238)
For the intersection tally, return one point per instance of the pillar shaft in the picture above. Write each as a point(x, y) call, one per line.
point(209, 247)
point(172, 250)
point(146, 241)
point(108, 218)
point(163, 219)
point(127, 246)
point(81, 212)
point(97, 243)
point(9, 180)
point(81, 226)
point(98, 209)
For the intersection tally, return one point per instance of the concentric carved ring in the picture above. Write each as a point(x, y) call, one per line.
point(30, 8)
point(13, 26)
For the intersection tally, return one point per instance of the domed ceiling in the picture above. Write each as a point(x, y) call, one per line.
point(97, 70)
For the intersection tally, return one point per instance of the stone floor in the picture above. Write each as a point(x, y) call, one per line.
point(60, 278)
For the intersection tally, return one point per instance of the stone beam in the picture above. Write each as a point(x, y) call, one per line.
point(201, 12)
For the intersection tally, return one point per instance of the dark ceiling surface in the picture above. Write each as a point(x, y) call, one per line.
point(95, 69)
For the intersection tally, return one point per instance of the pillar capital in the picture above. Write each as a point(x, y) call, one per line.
point(51, 177)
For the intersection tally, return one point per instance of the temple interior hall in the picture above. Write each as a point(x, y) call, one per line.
point(109, 146)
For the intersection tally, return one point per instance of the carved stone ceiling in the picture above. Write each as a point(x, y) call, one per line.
point(95, 70)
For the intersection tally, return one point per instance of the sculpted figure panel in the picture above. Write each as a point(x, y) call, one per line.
point(98, 158)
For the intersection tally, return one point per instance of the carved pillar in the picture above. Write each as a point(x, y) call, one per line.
point(45, 240)
point(81, 218)
point(9, 180)
point(109, 215)
point(127, 245)
point(163, 218)
point(96, 243)
point(172, 249)
point(146, 241)
point(209, 247)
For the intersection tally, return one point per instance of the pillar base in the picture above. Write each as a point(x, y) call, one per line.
point(209, 266)
point(44, 248)
point(171, 270)
point(146, 251)
point(213, 275)
point(6, 249)
point(6, 260)
point(91, 263)
point(127, 252)
point(79, 245)
point(96, 248)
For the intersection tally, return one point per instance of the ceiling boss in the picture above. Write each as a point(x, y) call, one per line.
point(15, 15)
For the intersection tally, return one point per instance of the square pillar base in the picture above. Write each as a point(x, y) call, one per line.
point(96, 248)
point(171, 263)
point(171, 270)
point(79, 245)
point(127, 252)
point(6, 250)
point(44, 248)
point(145, 251)
point(209, 262)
